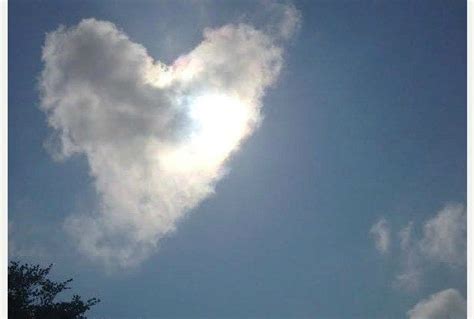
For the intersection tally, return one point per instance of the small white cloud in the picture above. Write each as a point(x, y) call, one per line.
point(444, 236)
point(446, 304)
point(442, 241)
point(409, 279)
point(380, 232)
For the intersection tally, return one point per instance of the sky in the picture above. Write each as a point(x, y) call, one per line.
point(333, 186)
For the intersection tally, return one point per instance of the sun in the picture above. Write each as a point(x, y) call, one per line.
point(219, 121)
point(218, 124)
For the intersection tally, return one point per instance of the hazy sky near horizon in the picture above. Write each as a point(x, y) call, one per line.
point(341, 195)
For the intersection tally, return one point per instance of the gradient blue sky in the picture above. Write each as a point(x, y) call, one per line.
point(367, 120)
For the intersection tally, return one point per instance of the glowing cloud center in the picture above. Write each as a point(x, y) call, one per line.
point(219, 122)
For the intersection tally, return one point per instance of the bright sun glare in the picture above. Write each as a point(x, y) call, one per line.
point(219, 123)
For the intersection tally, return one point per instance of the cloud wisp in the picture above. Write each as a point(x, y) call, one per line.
point(442, 242)
point(410, 277)
point(380, 232)
point(156, 137)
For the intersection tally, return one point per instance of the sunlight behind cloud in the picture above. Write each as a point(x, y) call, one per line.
point(156, 136)
point(218, 123)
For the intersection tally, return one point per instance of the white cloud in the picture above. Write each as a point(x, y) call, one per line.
point(442, 305)
point(444, 236)
point(156, 137)
point(410, 277)
point(380, 232)
point(442, 241)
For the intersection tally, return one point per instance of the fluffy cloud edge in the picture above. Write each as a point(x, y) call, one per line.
point(444, 304)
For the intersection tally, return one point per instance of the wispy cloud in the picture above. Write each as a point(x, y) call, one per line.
point(156, 137)
point(411, 275)
point(380, 232)
point(442, 241)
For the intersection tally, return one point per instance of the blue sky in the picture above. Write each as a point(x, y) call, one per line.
point(367, 120)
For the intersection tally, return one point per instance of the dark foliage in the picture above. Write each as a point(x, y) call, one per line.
point(32, 296)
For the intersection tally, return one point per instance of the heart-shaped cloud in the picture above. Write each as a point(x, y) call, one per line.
point(156, 137)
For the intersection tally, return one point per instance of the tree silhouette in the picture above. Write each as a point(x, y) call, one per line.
point(32, 296)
